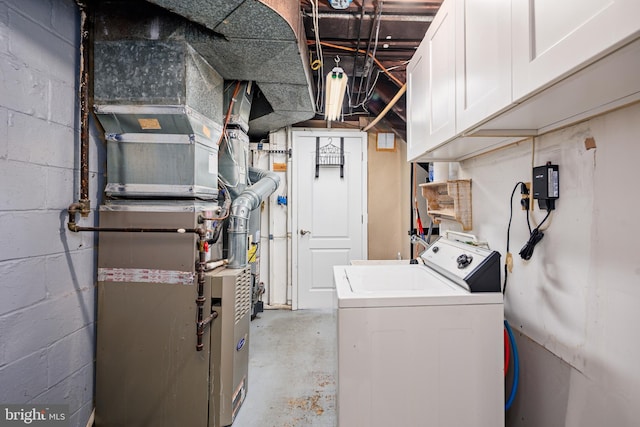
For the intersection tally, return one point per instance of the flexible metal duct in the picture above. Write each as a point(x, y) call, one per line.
point(255, 40)
point(265, 184)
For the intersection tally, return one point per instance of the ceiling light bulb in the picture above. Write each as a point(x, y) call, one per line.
point(386, 45)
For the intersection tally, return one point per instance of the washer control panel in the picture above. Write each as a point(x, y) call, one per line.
point(462, 262)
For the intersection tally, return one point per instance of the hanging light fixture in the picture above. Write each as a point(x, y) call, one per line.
point(335, 87)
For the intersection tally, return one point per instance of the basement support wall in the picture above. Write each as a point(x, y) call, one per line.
point(575, 305)
point(47, 273)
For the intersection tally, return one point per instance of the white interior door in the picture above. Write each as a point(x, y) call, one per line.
point(331, 212)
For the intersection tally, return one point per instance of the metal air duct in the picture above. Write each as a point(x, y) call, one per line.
point(261, 41)
point(265, 184)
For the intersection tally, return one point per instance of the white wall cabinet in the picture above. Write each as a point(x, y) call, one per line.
point(417, 101)
point(521, 68)
point(431, 85)
point(483, 60)
point(460, 74)
point(552, 39)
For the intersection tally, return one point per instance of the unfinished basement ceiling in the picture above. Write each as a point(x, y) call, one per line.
point(389, 30)
point(273, 42)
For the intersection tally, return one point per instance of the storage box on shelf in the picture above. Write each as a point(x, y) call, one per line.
point(449, 200)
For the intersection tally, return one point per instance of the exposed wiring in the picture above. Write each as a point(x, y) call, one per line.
point(516, 367)
point(315, 64)
point(355, 54)
point(319, 54)
point(395, 67)
point(350, 49)
point(369, 63)
point(369, 94)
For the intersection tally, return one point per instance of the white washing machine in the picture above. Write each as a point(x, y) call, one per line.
point(422, 345)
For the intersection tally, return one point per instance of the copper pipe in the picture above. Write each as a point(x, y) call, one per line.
point(228, 116)
point(83, 95)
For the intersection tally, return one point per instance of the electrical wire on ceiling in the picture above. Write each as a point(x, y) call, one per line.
point(368, 67)
point(355, 53)
point(367, 79)
point(373, 86)
point(350, 49)
point(319, 54)
point(369, 94)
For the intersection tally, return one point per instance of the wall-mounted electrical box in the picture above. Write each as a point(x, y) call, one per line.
point(546, 186)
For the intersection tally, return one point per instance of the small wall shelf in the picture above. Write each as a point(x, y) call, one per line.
point(449, 200)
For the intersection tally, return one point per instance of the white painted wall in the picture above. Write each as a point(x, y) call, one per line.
point(579, 296)
point(275, 237)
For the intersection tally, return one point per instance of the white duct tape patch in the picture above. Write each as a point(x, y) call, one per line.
point(144, 275)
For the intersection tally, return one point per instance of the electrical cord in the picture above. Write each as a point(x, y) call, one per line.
point(535, 235)
point(509, 259)
point(534, 238)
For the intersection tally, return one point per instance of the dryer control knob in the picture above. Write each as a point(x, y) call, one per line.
point(464, 260)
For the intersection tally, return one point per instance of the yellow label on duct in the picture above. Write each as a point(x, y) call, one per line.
point(206, 131)
point(149, 124)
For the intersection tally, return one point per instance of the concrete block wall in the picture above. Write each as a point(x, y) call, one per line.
point(47, 273)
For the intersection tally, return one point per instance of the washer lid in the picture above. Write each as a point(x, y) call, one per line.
point(401, 285)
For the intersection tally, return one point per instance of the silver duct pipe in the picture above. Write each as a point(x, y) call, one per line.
point(265, 183)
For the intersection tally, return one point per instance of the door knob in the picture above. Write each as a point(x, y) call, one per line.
point(303, 232)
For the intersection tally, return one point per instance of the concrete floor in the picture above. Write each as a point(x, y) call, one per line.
point(292, 370)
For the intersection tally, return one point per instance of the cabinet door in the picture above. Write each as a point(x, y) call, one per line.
point(441, 98)
point(417, 94)
point(483, 60)
point(552, 38)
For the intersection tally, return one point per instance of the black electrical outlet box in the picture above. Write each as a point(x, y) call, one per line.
point(546, 185)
